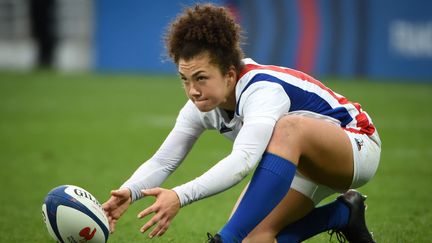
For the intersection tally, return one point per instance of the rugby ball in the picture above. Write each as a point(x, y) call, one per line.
point(72, 214)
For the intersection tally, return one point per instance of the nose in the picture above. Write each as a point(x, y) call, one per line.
point(193, 91)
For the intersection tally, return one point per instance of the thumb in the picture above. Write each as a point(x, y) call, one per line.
point(124, 192)
point(151, 192)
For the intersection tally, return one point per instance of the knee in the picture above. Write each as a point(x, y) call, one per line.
point(289, 124)
point(287, 137)
point(288, 129)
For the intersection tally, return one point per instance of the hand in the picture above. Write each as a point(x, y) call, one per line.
point(165, 207)
point(116, 206)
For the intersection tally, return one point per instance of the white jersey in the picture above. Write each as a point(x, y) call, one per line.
point(263, 95)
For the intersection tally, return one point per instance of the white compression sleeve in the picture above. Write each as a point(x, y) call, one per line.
point(248, 148)
point(155, 170)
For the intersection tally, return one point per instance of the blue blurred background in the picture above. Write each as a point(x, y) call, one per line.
point(385, 39)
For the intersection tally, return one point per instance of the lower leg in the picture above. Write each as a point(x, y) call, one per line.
point(346, 215)
point(293, 207)
point(270, 183)
point(334, 215)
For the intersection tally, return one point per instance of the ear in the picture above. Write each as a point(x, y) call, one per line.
point(231, 76)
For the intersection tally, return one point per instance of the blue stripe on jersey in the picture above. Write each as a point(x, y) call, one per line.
point(302, 99)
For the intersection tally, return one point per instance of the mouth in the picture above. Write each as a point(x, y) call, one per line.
point(199, 100)
point(202, 104)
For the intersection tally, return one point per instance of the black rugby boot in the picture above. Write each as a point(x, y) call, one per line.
point(213, 239)
point(356, 230)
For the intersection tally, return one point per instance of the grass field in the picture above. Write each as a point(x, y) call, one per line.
point(94, 131)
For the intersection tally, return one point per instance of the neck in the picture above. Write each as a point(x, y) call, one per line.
point(230, 102)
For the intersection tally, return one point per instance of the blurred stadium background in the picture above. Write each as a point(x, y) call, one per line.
point(87, 94)
point(378, 39)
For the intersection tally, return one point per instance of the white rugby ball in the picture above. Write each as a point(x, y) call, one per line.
point(72, 214)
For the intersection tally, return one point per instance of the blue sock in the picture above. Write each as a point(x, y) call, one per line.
point(269, 184)
point(334, 215)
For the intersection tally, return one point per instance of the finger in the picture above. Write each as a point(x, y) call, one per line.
point(106, 210)
point(110, 219)
point(151, 192)
point(112, 224)
point(118, 193)
point(161, 232)
point(146, 212)
point(116, 214)
point(110, 204)
point(107, 205)
point(150, 223)
point(156, 230)
point(160, 229)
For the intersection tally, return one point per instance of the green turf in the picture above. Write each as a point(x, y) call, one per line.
point(95, 130)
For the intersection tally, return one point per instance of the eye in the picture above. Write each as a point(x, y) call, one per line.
point(184, 80)
point(202, 78)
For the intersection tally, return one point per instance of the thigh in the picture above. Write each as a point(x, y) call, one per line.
point(326, 154)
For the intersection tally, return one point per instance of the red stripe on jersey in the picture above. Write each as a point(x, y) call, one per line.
point(295, 73)
point(366, 127)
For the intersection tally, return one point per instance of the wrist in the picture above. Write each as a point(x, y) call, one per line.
point(180, 196)
point(130, 194)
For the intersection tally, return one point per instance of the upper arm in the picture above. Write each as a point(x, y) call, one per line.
point(264, 102)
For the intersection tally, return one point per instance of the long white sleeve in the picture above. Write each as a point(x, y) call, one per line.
point(248, 149)
point(168, 157)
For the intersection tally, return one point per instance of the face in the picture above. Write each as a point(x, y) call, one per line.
point(205, 85)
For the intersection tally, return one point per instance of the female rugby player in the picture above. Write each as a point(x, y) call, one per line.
point(306, 142)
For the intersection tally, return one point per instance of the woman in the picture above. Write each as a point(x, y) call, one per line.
point(308, 142)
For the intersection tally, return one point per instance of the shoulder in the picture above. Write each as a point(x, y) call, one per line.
point(253, 72)
point(259, 87)
point(255, 75)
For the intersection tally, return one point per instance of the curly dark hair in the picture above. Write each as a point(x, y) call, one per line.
point(206, 28)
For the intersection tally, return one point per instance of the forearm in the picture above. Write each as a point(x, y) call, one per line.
point(153, 172)
point(217, 179)
point(247, 151)
point(150, 174)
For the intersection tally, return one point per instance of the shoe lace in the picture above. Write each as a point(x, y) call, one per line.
point(210, 237)
point(339, 236)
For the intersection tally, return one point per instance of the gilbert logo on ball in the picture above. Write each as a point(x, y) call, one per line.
point(72, 214)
